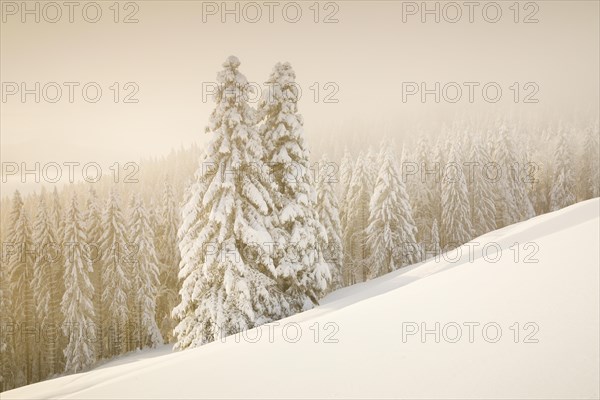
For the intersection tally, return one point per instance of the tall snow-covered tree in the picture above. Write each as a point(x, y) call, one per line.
point(434, 247)
point(538, 173)
point(78, 299)
point(301, 271)
point(8, 358)
point(563, 185)
point(506, 206)
point(356, 250)
point(47, 288)
point(481, 193)
point(433, 182)
point(543, 160)
point(456, 218)
point(346, 168)
point(116, 275)
point(228, 282)
point(57, 214)
point(391, 233)
point(419, 188)
point(328, 211)
point(524, 176)
point(589, 177)
point(168, 256)
point(93, 231)
point(372, 164)
point(145, 277)
point(20, 266)
point(8, 367)
point(512, 201)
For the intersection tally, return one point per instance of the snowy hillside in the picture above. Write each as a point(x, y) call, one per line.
point(365, 340)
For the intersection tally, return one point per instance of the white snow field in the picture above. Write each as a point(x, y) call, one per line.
point(367, 346)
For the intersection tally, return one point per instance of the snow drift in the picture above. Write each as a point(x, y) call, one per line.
point(513, 314)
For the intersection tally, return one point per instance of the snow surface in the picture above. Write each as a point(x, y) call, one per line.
point(559, 294)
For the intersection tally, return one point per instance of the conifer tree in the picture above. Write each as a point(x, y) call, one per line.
point(433, 182)
point(93, 231)
point(419, 189)
point(328, 211)
point(78, 300)
point(563, 188)
point(506, 205)
point(542, 174)
point(8, 362)
point(20, 266)
point(346, 170)
point(391, 233)
point(302, 273)
point(47, 285)
point(483, 209)
point(116, 275)
point(168, 256)
point(589, 177)
point(356, 249)
point(512, 202)
point(56, 215)
point(434, 243)
point(456, 218)
point(145, 277)
point(226, 286)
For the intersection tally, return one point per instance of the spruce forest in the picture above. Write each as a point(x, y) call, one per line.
point(259, 225)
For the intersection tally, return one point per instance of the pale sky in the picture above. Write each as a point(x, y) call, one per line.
point(367, 55)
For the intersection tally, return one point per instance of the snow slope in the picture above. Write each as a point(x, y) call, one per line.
point(558, 295)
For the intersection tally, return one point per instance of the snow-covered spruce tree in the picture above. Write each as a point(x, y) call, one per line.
point(372, 162)
point(507, 211)
point(8, 361)
point(328, 211)
point(58, 222)
point(481, 191)
point(93, 231)
point(543, 158)
point(513, 203)
point(419, 189)
point(20, 266)
point(8, 367)
point(116, 275)
point(589, 177)
point(524, 178)
point(300, 269)
point(456, 218)
point(168, 256)
point(356, 250)
point(433, 182)
point(346, 170)
point(57, 215)
point(391, 233)
point(371, 165)
point(433, 246)
point(540, 157)
point(226, 286)
point(153, 211)
point(47, 287)
point(563, 183)
point(78, 299)
point(145, 277)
